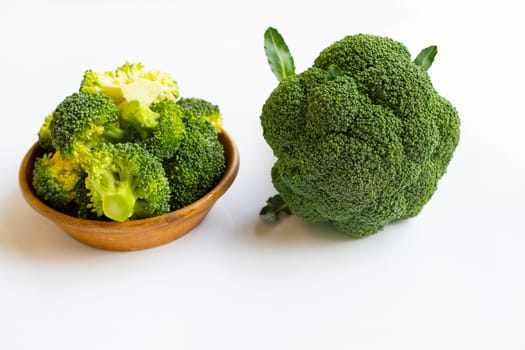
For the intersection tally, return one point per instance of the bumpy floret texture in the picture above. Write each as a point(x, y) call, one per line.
point(126, 182)
point(197, 165)
point(108, 144)
point(44, 134)
point(201, 108)
point(55, 179)
point(159, 127)
point(82, 121)
point(363, 148)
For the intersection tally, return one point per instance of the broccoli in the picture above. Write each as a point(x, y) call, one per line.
point(361, 138)
point(82, 121)
point(82, 205)
point(55, 178)
point(129, 82)
point(159, 128)
point(145, 99)
point(126, 182)
point(197, 165)
point(125, 148)
point(44, 134)
point(202, 108)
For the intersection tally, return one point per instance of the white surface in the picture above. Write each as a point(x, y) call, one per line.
point(452, 278)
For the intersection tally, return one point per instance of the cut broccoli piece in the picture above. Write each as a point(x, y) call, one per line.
point(131, 81)
point(44, 134)
point(203, 109)
point(126, 182)
point(158, 128)
point(82, 121)
point(198, 164)
point(55, 178)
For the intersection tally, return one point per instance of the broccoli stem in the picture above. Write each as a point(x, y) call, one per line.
point(114, 133)
point(139, 116)
point(275, 210)
point(118, 203)
point(118, 206)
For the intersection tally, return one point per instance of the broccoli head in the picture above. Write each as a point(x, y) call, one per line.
point(126, 182)
point(55, 179)
point(361, 138)
point(82, 121)
point(197, 165)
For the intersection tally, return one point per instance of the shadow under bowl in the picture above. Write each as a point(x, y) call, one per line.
point(133, 234)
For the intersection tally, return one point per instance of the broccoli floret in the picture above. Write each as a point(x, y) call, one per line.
point(159, 128)
point(197, 165)
point(139, 117)
point(44, 134)
point(201, 108)
point(131, 81)
point(126, 182)
point(362, 137)
point(82, 206)
point(55, 178)
point(82, 121)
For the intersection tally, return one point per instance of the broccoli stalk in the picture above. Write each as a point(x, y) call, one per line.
point(118, 194)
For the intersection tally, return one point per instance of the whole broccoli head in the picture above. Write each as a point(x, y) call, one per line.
point(361, 138)
point(126, 182)
point(81, 122)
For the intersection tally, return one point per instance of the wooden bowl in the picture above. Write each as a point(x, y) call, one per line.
point(133, 234)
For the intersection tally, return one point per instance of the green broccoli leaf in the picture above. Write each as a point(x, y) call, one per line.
point(275, 210)
point(426, 57)
point(278, 54)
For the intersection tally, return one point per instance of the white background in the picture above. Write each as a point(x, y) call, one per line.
point(452, 278)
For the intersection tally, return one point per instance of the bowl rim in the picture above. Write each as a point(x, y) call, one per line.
point(232, 158)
